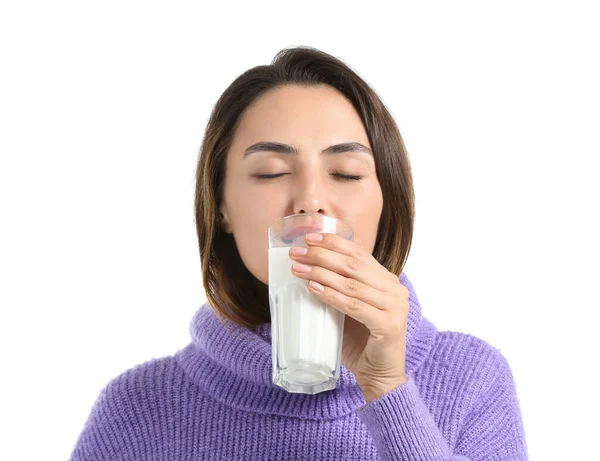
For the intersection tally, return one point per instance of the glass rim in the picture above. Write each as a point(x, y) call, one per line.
point(299, 215)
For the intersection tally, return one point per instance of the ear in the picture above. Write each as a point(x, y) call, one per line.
point(223, 220)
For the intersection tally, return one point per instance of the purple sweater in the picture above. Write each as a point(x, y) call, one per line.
point(214, 400)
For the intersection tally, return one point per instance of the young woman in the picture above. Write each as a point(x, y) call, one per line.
point(307, 135)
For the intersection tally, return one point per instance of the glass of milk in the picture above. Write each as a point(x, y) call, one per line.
point(306, 333)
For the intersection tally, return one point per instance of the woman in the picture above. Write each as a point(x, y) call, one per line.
point(406, 390)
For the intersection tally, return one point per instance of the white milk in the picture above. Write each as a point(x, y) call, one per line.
point(306, 332)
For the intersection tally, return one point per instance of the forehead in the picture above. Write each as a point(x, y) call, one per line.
point(302, 116)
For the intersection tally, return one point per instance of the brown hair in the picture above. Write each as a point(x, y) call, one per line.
point(232, 290)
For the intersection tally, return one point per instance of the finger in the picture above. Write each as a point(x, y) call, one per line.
point(349, 287)
point(354, 250)
point(351, 260)
point(372, 318)
point(344, 265)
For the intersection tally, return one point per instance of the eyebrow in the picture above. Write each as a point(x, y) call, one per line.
point(291, 150)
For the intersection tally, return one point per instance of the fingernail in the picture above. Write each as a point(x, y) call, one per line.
point(316, 285)
point(301, 268)
point(314, 237)
point(299, 251)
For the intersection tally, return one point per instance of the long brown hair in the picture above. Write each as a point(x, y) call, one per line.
point(231, 289)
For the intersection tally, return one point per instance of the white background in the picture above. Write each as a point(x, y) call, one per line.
point(102, 112)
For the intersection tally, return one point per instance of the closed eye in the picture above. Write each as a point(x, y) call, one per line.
point(343, 177)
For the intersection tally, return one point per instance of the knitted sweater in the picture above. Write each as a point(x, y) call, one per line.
point(215, 400)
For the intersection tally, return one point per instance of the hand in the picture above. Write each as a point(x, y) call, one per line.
point(375, 304)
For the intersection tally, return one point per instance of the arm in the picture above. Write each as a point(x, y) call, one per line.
point(105, 434)
point(403, 428)
point(494, 428)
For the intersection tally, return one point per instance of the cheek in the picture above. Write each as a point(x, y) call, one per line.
point(250, 200)
point(366, 212)
point(251, 214)
point(365, 201)
point(253, 247)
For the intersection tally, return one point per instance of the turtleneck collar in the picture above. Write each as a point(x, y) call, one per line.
point(233, 364)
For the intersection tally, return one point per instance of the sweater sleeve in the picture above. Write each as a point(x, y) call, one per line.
point(403, 428)
point(105, 433)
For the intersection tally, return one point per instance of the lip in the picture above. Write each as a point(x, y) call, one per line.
point(300, 230)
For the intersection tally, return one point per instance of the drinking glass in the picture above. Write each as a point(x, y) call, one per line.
point(306, 332)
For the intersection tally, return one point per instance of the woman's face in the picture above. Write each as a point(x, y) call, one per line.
point(309, 120)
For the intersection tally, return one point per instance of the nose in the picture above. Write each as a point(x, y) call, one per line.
point(310, 210)
point(309, 195)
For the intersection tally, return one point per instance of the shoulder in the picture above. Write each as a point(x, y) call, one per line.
point(138, 374)
point(141, 379)
point(464, 361)
point(124, 408)
point(474, 377)
point(470, 353)
point(137, 392)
